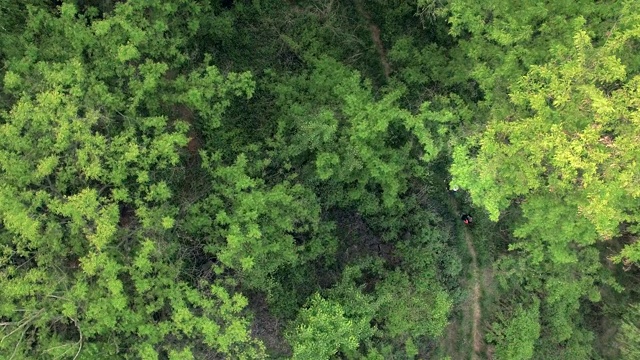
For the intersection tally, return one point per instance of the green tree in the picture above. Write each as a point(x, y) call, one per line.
point(502, 39)
point(342, 140)
point(628, 337)
point(322, 330)
point(91, 262)
point(516, 338)
point(256, 229)
point(559, 146)
point(412, 306)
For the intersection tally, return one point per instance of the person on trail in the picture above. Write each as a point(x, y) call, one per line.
point(467, 219)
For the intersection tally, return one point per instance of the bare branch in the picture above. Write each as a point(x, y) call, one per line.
point(23, 323)
point(75, 322)
point(15, 349)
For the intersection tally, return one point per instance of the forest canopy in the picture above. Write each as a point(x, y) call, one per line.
point(244, 179)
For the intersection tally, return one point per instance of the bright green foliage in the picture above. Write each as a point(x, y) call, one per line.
point(503, 38)
point(413, 307)
point(563, 148)
point(360, 307)
point(85, 138)
point(414, 304)
point(540, 211)
point(253, 228)
point(406, 308)
point(185, 179)
point(323, 329)
point(562, 287)
point(630, 254)
point(562, 141)
point(355, 142)
point(516, 338)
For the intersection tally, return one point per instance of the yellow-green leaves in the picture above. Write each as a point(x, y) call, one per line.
point(105, 225)
point(323, 330)
point(89, 166)
point(206, 91)
point(11, 80)
point(17, 218)
point(325, 164)
point(562, 137)
point(127, 52)
point(558, 150)
point(46, 166)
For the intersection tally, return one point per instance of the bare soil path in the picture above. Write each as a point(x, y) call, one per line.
point(475, 296)
point(375, 37)
point(472, 307)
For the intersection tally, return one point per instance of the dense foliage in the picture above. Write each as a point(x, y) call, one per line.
point(267, 179)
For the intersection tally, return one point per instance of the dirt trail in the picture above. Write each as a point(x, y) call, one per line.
point(476, 293)
point(375, 37)
point(475, 296)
